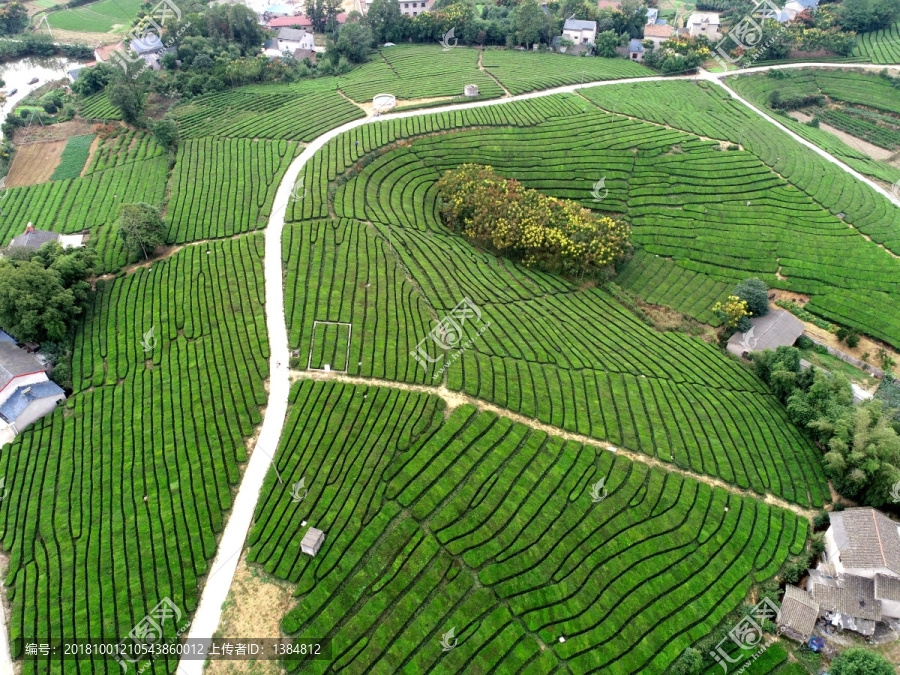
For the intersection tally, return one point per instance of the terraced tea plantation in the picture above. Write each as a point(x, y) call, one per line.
point(478, 528)
point(115, 500)
point(299, 112)
point(419, 71)
point(666, 395)
point(89, 203)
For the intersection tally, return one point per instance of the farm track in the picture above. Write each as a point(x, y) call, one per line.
point(218, 582)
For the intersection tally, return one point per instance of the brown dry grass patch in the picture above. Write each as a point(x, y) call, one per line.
point(255, 606)
point(34, 163)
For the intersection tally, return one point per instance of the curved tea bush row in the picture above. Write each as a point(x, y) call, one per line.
point(521, 72)
point(486, 528)
point(97, 107)
point(342, 271)
point(706, 110)
point(881, 46)
point(722, 213)
point(364, 143)
point(299, 112)
point(660, 281)
point(127, 146)
point(115, 501)
point(222, 187)
point(418, 71)
point(89, 203)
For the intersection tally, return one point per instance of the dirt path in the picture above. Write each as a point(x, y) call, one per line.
point(490, 74)
point(454, 399)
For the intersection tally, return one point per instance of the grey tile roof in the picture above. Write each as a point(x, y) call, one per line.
point(867, 539)
point(291, 34)
point(4, 337)
point(854, 596)
point(34, 239)
point(15, 362)
point(799, 611)
point(771, 331)
point(887, 587)
point(23, 396)
point(635, 46)
point(578, 24)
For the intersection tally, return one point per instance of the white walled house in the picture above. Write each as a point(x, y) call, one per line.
point(857, 585)
point(291, 39)
point(26, 394)
point(32, 239)
point(703, 23)
point(580, 32)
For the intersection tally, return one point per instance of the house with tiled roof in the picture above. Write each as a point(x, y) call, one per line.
point(580, 32)
point(863, 542)
point(658, 33)
point(32, 239)
point(857, 584)
point(26, 393)
point(798, 614)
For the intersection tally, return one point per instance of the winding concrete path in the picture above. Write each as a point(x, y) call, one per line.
point(218, 582)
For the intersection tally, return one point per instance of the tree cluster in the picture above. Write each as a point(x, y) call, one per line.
point(13, 18)
point(862, 449)
point(555, 235)
point(43, 293)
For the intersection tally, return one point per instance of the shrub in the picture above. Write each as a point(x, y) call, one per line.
point(821, 521)
point(803, 342)
point(842, 333)
point(756, 294)
point(733, 312)
point(860, 661)
point(540, 231)
point(853, 339)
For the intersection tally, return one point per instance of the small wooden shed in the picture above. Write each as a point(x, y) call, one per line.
point(470, 90)
point(312, 541)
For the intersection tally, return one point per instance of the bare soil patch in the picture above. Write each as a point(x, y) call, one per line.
point(34, 163)
point(74, 36)
point(53, 132)
point(869, 149)
point(255, 606)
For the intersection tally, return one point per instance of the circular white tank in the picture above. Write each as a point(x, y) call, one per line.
point(384, 101)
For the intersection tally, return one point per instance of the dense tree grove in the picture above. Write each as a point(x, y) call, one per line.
point(42, 293)
point(552, 234)
point(862, 449)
